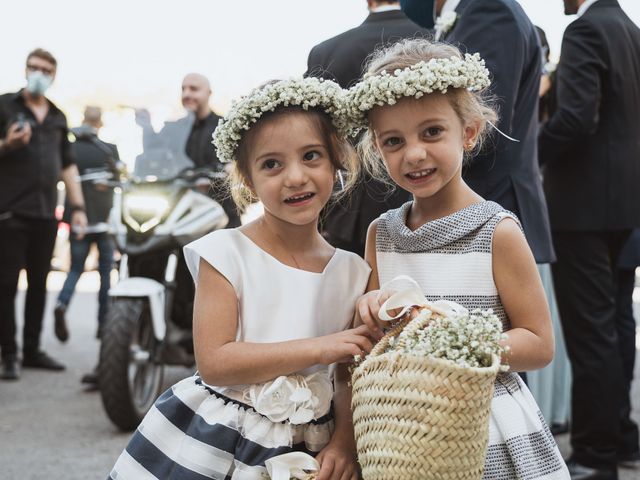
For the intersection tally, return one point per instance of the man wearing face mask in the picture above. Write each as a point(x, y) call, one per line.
point(34, 154)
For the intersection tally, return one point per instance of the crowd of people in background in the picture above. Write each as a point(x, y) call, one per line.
point(563, 157)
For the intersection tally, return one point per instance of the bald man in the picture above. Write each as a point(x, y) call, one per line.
point(196, 92)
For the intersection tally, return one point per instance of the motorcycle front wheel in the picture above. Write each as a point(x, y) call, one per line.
point(129, 373)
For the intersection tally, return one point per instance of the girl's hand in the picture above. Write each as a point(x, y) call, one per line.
point(367, 309)
point(341, 347)
point(337, 462)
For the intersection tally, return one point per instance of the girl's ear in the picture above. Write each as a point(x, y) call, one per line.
point(249, 185)
point(471, 134)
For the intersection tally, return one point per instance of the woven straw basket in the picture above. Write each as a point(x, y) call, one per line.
point(420, 418)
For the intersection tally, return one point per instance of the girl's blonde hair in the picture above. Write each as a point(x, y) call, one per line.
point(341, 153)
point(469, 106)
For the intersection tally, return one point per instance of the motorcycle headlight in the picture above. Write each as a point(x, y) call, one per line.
point(143, 212)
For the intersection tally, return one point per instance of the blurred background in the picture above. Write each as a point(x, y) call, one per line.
point(135, 53)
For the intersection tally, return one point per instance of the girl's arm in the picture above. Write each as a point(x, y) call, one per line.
point(368, 305)
point(338, 458)
point(223, 361)
point(520, 288)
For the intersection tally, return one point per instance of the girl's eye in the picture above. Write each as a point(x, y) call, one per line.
point(312, 155)
point(392, 141)
point(270, 164)
point(433, 131)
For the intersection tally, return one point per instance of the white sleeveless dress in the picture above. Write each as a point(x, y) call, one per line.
point(450, 258)
point(198, 431)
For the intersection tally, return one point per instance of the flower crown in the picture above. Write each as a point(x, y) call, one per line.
point(437, 74)
point(306, 93)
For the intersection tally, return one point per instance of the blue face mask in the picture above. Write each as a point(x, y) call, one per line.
point(38, 83)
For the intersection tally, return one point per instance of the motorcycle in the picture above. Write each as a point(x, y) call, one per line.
point(156, 211)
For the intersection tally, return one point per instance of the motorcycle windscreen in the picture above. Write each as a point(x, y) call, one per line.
point(163, 156)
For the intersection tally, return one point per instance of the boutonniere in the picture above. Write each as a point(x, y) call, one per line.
point(444, 23)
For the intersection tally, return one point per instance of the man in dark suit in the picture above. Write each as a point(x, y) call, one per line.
point(343, 59)
point(591, 155)
point(505, 171)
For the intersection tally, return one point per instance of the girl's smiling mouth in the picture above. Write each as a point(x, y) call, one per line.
point(420, 175)
point(299, 199)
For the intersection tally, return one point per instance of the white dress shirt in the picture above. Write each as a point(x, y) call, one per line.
point(585, 6)
point(384, 8)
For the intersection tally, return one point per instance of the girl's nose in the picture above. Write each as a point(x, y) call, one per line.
point(296, 175)
point(416, 153)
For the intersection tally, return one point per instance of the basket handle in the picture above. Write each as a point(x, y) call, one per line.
point(406, 300)
point(383, 343)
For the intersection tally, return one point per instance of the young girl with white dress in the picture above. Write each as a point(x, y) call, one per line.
point(273, 308)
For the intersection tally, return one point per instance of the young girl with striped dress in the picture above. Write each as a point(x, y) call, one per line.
point(423, 110)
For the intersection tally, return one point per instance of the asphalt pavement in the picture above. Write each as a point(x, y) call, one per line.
point(51, 427)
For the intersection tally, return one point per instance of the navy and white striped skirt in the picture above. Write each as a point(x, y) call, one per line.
point(194, 433)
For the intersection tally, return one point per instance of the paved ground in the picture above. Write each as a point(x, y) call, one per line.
point(51, 428)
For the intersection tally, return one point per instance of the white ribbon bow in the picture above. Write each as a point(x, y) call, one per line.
point(291, 465)
point(411, 297)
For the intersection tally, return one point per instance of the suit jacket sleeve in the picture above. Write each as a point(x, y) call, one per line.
point(501, 44)
point(578, 91)
point(316, 65)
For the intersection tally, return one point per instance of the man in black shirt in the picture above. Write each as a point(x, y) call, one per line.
point(34, 154)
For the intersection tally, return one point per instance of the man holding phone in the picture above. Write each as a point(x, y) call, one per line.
point(34, 154)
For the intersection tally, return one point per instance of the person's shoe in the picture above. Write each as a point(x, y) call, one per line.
point(60, 325)
point(559, 428)
point(10, 368)
point(578, 471)
point(629, 460)
point(41, 360)
point(90, 379)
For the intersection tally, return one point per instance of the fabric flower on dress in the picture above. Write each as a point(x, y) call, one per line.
point(444, 23)
point(306, 93)
point(292, 398)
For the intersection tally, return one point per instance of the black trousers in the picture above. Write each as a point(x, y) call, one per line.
point(24, 243)
point(586, 283)
point(626, 328)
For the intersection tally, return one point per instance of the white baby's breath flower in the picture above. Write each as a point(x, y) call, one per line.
point(467, 339)
point(306, 93)
point(438, 74)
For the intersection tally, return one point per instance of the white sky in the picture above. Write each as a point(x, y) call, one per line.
point(135, 52)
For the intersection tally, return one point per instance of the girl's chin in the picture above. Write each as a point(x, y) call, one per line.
point(295, 218)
